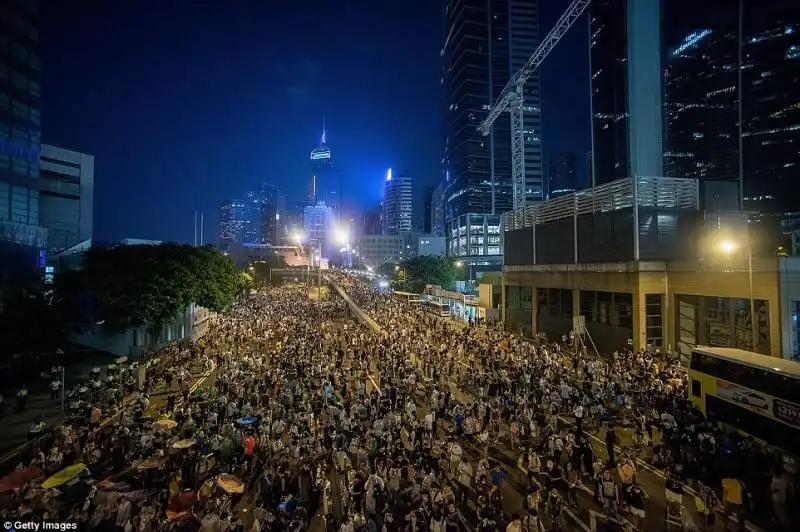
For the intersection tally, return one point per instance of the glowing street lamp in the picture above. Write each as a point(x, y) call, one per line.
point(728, 247)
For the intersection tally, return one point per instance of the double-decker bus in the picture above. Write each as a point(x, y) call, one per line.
point(434, 307)
point(407, 297)
point(755, 394)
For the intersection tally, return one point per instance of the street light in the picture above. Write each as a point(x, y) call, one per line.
point(728, 247)
point(343, 237)
point(460, 264)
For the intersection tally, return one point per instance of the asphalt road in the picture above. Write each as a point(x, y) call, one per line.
point(587, 516)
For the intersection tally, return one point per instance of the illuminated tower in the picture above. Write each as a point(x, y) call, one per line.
point(325, 180)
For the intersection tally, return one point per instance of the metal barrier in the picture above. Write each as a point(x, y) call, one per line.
point(356, 310)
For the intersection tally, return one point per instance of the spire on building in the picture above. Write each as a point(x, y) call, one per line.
point(324, 132)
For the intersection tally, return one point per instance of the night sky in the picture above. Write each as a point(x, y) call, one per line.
point(186, 103)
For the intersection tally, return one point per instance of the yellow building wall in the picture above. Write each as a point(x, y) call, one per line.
point(689, 278)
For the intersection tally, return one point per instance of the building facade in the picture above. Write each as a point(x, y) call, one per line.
point(484, 43)
point(427, 208)
point(66, 197)
point(22, 238)
point(290, 223)
point(626, 86)
point(397, 204)
point(429, 244)
point(326, 182)
point(438, 225)
point(562, 173)
point(319, 224)
point(263, 215)
point(376, 250)
point(234, 220)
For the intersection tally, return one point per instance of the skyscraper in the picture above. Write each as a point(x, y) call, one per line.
point(397, 204)
point(561, 174)
point(626, 88)
point(22, 239)
point(325, 180)
point(702, 104)
point(234, 218)
point(262, 214)
point(484, 43)
point(427, 208)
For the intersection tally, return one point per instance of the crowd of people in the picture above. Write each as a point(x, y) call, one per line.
point(548, 400)
point(306, 419)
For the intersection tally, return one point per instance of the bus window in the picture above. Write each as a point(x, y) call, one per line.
point(697, 388)
point(762, 427)
point(780, 386)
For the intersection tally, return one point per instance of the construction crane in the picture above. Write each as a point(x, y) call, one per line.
point(512, 100)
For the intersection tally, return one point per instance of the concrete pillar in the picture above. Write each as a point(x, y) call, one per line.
point(503, 300)
point(576, 303)
point(639, 320)
point(534, 311)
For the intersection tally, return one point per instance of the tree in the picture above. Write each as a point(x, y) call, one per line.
point(146, 285)
point(412, 275)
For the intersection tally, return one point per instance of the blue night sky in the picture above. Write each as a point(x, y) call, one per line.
point(186, 103)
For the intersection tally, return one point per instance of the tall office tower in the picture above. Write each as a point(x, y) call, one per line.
point(702, 103)
point(770, 110)
point(562, 170)
point(290, 224)
point(234, 218)
point(371, 222)
point(66, 197)
point(22, 239)
point(397, 204)
point(484, 43)
point(326, 181)
point(318, 221)
point(427, 208)
point(437, 211)
point(263, 215)
point(626, 88)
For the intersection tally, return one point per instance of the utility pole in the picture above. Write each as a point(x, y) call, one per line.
point(201, 229)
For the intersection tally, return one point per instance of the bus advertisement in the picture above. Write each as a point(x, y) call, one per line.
point(755, 394)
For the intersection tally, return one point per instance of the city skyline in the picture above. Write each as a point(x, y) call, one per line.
point(262, 125)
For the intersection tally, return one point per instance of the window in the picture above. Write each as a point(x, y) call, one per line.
point(19, 51)
point(766, 428)
point(780, 386)
point(3, 71)
point(20, 110)
point(35, 62)
point(35, 89)
point(654, 319)
point(19, 80)
point(697, 388)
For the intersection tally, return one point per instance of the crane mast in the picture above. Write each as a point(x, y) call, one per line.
point(512, 98)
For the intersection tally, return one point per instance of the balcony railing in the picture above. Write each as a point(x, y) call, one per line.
point(642, 191)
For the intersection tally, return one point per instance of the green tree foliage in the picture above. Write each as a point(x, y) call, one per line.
point(145, 285)
point(412, 275)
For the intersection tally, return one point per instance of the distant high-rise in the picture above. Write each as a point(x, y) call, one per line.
point(397, 204)
point(427, 208)
point(484, 43)
point(563, 169)
point(437, 211)
point(701, 95)
point(626, 88)
point(263, 215)
point(22, 239)
point(234, 219)
point(318, 221)
point(66, 197)
point(290, 223)
point(326, 182)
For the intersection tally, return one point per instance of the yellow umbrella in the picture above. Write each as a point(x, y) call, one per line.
point(152, 463)
point(183, 444)
point(230, 483)
point(64, 476)
point(166, 423)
